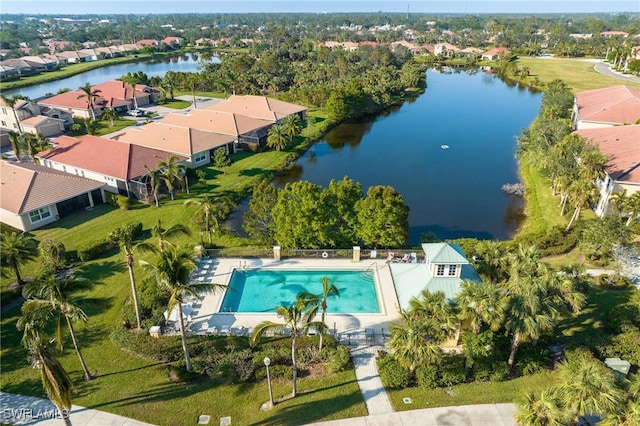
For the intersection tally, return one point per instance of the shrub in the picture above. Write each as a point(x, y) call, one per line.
point(625, 345)
point(120, 201)
point(627, 314)
point(95, 250)
point(339, 359)
point(452, 371)
point(392, 374)
point(52, 253)
point(614, 282)
point(427, 376)
point(532, 358)
point(275, 371)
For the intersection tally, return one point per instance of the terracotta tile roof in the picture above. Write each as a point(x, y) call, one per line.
point(27, 186)
point(615, 105)
point(622, 145)
point(37, 119)
point(497, 50)
point(169, 137)
point(68, 100)
point(257, 107)
point(225, 123)
point(105, 156)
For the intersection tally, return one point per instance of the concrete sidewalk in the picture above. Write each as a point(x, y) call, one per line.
point(464, 415)
point(28, 410)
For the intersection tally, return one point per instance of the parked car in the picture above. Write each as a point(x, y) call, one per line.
point(135, 113)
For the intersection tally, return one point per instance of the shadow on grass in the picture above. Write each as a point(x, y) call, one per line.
point(98, 271)
point(254, 172)
point(303, 409)
point(587, 328)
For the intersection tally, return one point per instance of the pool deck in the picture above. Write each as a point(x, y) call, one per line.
point(205, 314)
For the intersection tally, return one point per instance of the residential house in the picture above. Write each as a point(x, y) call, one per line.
point(621, 145)
point(20, 65)
point(492, 54)
point(446, 50)
point(90, 55)
point(192, 143)
point(260, 107)
point(32, 118)
point(173, 41)
point(472, 52)
point(444, 269)
point(122, 166)
point(8, 73)
point(40, 63)
point(413, 48)
point(39, 195)
point(611, 106)
point(610, 34)
point(58, 46)
point(147, 43)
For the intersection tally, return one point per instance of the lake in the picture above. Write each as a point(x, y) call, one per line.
point(448, 152)
point(155, 67)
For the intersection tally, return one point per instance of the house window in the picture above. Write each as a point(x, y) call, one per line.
point(440, 270)
point(452, 270)
point(4, 124)
point(40, 214)
point(201, 156)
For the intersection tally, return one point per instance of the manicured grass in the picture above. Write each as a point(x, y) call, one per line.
point(175, 104)
point(541, 207)
point(470, 393)
point(577, 73)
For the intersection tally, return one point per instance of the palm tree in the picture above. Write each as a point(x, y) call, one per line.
point(277, 138)
point(298, 319)
point(172, 269)
point(634, 207)
point(207, 207)
point(55, 380)
point(192, 84)
point(161, 233)
point(545, 410)
point(132, 81)
point(169, 83)
point(416, 340)
point(171, 173)
point(292, 126)
point(17, 249)
point(124, 237)
point(54, 296)
point(581, 193)
point(588, 386)
point(435, 306)
point(328, 290)
point(155, 182)
point(110, 114)
point(91, 95)
point(481, 303)
point(16, 143)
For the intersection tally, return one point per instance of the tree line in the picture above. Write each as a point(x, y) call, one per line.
point(307, 216)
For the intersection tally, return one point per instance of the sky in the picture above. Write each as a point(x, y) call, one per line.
point(111, 7)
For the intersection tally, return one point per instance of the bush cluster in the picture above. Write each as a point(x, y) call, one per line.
point(392, 374)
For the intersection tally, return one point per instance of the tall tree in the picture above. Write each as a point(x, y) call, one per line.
point(382, 218)
point(162, 233)
point(171, 173)
point(415, 340)
point(328, 290)
point(16, 143)
point(110, 114)
point(298, 319)
point(56, 297)
point(155, 182)
point(292, 126)
point(132, 81)
point(56, 382)
point(207, 207)
point(91, 95)
point(482, 303)
point(257, 221)
point(172, 269)
point(541, 410)
point(15, 250)
point(277, 138)
point(342, 196)
point(124, 237)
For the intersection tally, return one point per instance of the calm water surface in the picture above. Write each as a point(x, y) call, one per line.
point(454, 192)
point(157, 67)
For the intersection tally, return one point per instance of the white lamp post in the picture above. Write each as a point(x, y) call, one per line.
point(267, 361)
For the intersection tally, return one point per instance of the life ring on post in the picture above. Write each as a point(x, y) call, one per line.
point(325, 254)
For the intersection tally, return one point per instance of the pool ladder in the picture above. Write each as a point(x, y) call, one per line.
point(365, 274)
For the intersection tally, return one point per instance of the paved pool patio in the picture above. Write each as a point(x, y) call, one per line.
point(206, 316)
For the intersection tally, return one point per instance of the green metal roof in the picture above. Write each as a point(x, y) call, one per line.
point(444, 253)
point(409, 279)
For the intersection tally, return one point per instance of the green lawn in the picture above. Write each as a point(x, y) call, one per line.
point(578, 74)
point(470, 393)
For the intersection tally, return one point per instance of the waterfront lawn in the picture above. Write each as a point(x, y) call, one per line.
point(577, 73)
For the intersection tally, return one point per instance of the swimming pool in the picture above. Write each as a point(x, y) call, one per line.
point(260, 290)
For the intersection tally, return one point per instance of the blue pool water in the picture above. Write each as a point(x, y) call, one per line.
point(261, 290)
